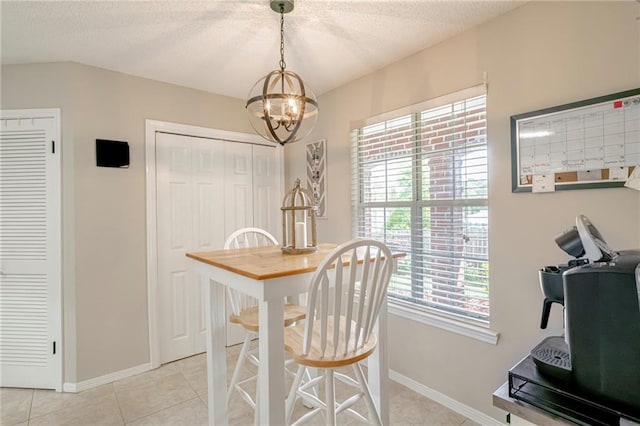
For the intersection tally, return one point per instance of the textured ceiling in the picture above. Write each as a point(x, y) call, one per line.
point(225, 46)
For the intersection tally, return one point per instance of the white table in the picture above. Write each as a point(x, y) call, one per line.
point(269, 276)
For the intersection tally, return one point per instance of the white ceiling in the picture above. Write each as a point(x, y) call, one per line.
point(224, 46)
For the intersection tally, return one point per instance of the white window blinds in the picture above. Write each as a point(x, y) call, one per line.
point(420, 185)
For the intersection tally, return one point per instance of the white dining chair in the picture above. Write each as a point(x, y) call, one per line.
point(342, 310)
point(244, 311)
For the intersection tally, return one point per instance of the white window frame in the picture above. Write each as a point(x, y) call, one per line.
point(405, 308)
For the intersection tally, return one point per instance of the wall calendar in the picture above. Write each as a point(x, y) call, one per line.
point(593, 143)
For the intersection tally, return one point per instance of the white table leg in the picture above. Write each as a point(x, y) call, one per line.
point(271, 384)
point(216, 354)
point(378, 364)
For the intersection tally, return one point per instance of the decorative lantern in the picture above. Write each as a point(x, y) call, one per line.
point(298, 221)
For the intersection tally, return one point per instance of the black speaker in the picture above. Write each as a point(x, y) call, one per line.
point(112, 153)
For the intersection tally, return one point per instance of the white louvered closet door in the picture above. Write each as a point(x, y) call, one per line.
point(30, 249)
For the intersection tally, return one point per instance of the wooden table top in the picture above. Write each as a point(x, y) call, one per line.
point(261, 263)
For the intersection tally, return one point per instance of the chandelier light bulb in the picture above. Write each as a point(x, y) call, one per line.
point(293, 106)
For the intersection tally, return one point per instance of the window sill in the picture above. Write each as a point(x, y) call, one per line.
point(455, 326)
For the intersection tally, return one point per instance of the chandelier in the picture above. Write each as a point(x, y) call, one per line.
point(281, 107)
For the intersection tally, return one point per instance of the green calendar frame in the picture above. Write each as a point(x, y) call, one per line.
point(593, 143)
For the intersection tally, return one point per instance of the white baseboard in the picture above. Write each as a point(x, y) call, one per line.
point(452, 404)
point(107, 378)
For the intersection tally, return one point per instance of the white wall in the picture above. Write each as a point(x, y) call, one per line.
point(104, 215)
point(540, 55)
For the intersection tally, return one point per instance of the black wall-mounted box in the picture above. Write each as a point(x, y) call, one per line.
point(112, 153)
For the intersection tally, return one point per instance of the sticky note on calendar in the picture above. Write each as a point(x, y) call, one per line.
point(544, 183)
point(618, 173)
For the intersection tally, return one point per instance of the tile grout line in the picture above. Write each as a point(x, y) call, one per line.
point(33, 391)
point(33, 395)
point(113, 387)
point(161, 410)
point(164, 408)
point(194, 389)
point(49, 412)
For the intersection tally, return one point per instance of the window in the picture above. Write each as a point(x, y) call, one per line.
point(420, 185)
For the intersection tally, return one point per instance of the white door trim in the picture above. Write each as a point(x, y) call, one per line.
point(54, 256)
point(151, 127)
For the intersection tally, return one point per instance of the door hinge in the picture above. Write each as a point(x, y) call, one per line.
point(54, 347)
point(53, 147)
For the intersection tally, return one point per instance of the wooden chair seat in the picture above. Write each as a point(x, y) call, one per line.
point(250, 320)
point(293, 344)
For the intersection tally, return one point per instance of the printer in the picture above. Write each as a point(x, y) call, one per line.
point(591, 375)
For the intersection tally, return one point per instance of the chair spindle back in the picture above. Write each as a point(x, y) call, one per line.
point(245, 238)
point(348, 296)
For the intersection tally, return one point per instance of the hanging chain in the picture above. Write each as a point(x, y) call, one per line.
point(283, 64)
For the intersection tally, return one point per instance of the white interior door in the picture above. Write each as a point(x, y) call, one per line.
point(253, 196)
point(238, 187)
point(238, 207)
point(205, 190)
point(267, 190)
point(30, 262)
point(190, 177)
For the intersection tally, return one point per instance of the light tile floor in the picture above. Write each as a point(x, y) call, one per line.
point(176, 394)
